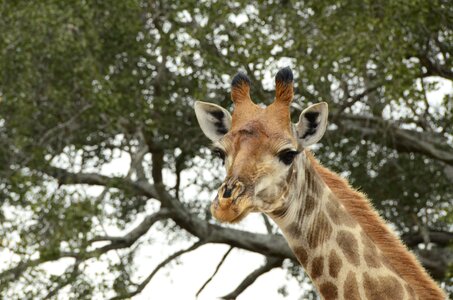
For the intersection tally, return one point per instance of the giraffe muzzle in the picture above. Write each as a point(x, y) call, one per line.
point(232, 202)
point(229, 193)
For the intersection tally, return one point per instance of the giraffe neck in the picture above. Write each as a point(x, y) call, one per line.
point(337, 254)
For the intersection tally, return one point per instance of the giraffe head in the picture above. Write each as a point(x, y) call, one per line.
point(258, 146)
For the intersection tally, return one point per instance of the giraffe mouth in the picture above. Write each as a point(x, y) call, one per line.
point(231, 211)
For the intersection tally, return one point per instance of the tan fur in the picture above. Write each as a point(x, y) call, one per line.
point(403, 261)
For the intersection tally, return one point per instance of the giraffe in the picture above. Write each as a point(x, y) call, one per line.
point(344, 245)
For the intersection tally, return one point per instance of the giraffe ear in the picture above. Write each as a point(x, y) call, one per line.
point(312, 124)
point(215, 121)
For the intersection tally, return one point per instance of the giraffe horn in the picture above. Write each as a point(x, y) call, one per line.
point(284, 82)
point(240, 89)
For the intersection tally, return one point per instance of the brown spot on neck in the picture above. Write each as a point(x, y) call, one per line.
point(349, 246)
point(372, 289)
point(334, 264)
point(317, 267)
point(350, 289)
point(320, 231)
point(309, 207)
point(305, 210)
point(370, 253)
point(392, 286)
point(338, 214)
point(301, 255)
point(328, 290)
point(382, 287)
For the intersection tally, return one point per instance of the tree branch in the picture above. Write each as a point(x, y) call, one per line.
point(137, 158)
point(52, 132)
point(65, 177)
point(134, 234)
point(271, 263)
point(71, 275)
point(267, 223)
point(436, 261)
point(120, 242)
point(15, 272)
point(403, 140)
point(433, 68)
point(442, 238)
point(350, 100)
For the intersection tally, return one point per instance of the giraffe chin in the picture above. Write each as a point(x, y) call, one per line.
point(234, 212)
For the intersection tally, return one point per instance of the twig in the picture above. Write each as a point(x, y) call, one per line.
point(64, 125)
point(215, 272)
point(267, 223)
point(70, 276)
point(353, 99)
point(145, 282)
point(271, 263)
point(138, 231)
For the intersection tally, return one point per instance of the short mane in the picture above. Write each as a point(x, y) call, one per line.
point(393, 249)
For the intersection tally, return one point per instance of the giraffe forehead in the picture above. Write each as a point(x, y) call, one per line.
point(256, 142)
point(258, 131)
point(251, 128)
point(273, 118)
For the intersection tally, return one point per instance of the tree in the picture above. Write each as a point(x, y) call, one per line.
point(86, 81)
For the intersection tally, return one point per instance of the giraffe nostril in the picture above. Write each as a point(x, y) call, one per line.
point(232, 190)
point(227, 192)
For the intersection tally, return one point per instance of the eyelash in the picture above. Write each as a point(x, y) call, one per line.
point(287, 156)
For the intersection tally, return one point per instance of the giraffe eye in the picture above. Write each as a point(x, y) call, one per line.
point(219, 153)
point(287, 156)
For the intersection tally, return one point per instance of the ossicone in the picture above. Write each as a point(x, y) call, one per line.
point(284, 91)
point(240, 89)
